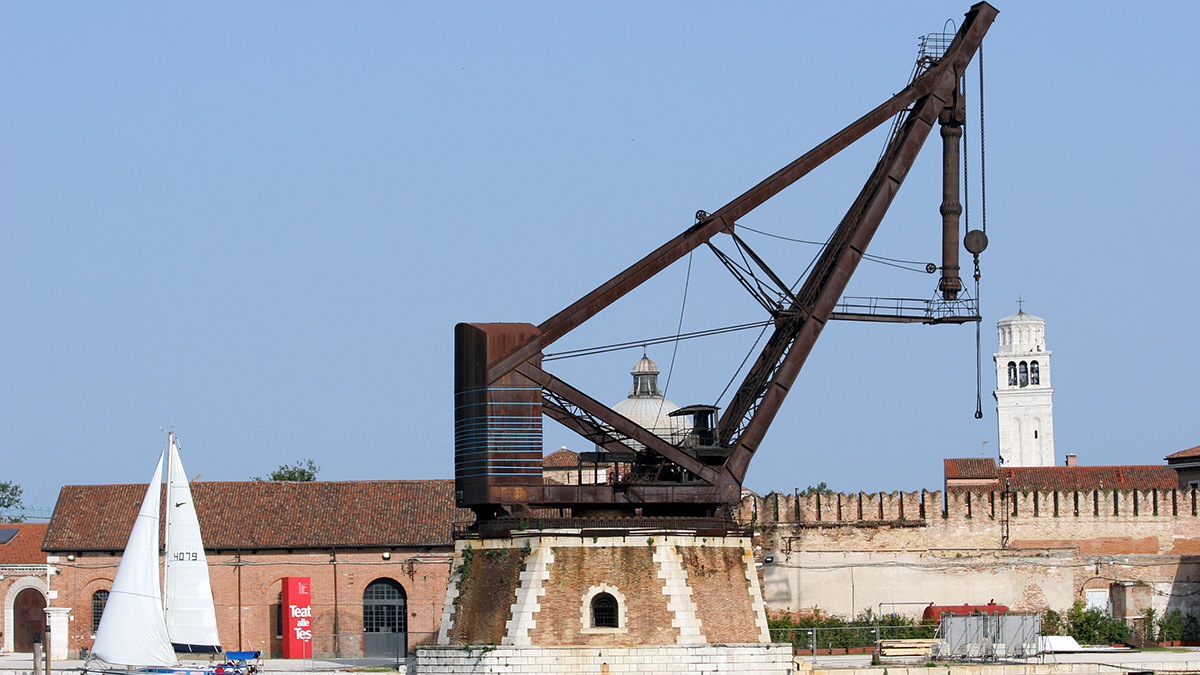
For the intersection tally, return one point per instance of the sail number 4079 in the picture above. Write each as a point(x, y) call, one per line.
point(186, 556)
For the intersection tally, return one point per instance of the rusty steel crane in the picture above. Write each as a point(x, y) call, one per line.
point(502, 391)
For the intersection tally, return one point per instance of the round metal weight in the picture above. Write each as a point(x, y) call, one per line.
point(975, 241)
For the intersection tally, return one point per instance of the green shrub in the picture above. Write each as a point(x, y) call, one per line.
point(1170, 626)
point(1191, 628)
point(1095, 626)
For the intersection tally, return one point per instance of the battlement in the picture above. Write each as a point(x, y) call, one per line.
point(872, 509)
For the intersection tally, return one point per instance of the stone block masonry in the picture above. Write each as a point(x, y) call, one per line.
point(744, 659)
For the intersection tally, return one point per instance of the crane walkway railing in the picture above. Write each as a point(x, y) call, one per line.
point(907, 310)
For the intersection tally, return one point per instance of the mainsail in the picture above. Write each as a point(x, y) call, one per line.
point(191, 619)
point(132, 631)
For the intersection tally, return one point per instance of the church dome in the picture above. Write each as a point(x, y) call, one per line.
point(1021, 333)
point(1024, 317)
point(647, 406)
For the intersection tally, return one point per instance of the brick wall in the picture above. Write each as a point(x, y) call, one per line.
point(487, 584)
point(246, 589)
point(718, 578)
point(1100, 521)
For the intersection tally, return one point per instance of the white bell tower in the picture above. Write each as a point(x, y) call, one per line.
point(1024, 405)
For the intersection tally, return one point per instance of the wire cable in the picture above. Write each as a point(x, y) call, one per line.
point(678, 331)
point(893, 262)
point(618, 346)
point(750, 353)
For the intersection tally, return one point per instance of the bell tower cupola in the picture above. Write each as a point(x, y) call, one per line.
point(1024, 405)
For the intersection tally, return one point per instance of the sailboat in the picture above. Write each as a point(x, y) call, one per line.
point(145, 624)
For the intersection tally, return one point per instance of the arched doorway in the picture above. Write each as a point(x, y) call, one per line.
point(385, 620)
point(29, 619)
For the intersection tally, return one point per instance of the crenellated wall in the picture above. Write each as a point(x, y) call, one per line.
point(1100, 504)
point(899, 551)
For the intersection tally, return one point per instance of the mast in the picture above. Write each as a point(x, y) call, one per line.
point(167, 568)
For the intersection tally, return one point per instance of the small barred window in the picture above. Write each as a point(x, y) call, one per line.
point(604, 611)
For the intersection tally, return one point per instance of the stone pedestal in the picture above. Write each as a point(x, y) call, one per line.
point(59, 621)
point(682, 595)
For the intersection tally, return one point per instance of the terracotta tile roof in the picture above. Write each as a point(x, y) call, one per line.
point(1190, 452)
point(971, 467)
point(561, 459)
point(25, 548)
point(1090, 477)
point(271, 514)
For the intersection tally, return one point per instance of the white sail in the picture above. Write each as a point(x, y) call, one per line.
point(191, 619)
point(132, 631)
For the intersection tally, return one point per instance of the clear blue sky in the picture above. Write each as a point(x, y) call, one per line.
point(258, 223)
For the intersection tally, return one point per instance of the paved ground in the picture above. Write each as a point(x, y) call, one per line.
point(24, 663)
point(1186, 659)
point(1189, 659)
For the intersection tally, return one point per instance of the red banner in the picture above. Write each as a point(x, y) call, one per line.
point(297, 617)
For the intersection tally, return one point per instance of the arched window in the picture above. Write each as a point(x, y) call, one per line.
point(1024, 373)
point(1012, 374)
point(385, 619)
point(99, 600)
point(1035, 376)
point(604, 611)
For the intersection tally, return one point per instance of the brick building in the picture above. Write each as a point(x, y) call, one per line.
point(22, 584)
point(378, 554)
point(1186, 464)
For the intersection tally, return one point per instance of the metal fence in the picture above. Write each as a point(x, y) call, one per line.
point(974, 637)
point(848, 637)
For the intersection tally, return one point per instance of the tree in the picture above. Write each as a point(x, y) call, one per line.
point(304, 470)
point(10, 501)
point(818, 489)
point(1052, 623)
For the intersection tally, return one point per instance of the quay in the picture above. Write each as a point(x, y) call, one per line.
point(1132, 662)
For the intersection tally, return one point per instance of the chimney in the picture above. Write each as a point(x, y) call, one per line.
point(1071, 460)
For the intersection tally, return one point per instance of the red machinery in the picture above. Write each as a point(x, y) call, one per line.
point(935, 612)
point(502, 390)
